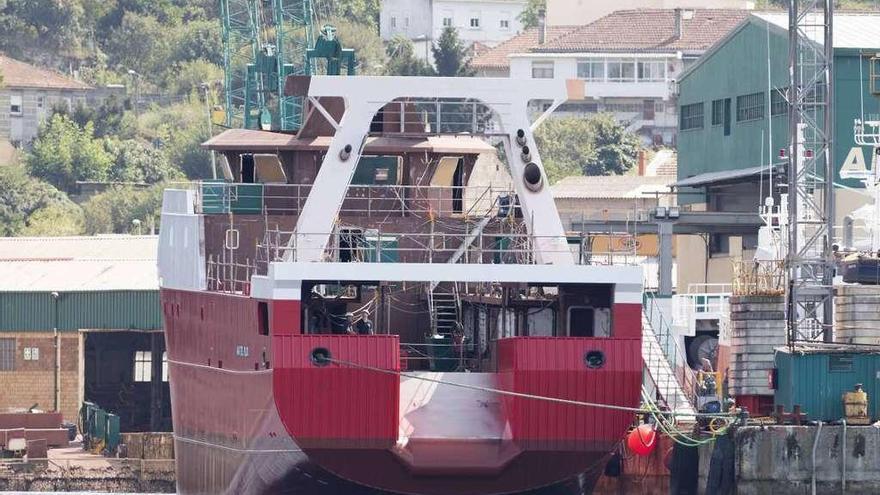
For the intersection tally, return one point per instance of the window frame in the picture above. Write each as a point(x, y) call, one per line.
point(750, 107)
point(717, 113)
point(143, 367)
point(7, 354)
point(475, 16)
point(640, 64)
point(592, 63)
point(696, 120)
point(548, 65)
point(13, 97)
point(623, 63)
point(445, 23)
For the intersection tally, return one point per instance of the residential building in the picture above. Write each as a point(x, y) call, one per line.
point(81, 320)
point(629, 61)
point(488, 22)
point(27, 96)
point(734, 122)
point(580, 12)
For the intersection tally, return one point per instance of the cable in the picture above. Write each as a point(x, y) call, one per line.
point(557, 400)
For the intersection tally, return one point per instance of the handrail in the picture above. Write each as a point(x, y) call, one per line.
point(685, 377)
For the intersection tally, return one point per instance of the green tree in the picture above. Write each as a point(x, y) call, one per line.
point(533, 10)
point(179, 130)
point(123, 210)
point(616, 149)
point(402, 60)
point(64, 153)
point(187, 76)
point(565, 145)
point(141, 43)
point(362, 11)
point(27, 206)
point(137, 161)
point(450, 55)
point(598, 145)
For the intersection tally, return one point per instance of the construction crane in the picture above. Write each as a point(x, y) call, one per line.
point(264, 41)
point(810, 218)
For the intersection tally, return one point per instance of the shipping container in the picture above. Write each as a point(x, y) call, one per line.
point(816, 379)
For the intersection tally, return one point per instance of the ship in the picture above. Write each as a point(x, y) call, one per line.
point(345, 311)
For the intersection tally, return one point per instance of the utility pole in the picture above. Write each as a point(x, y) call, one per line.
point(136, 78)
point(809, 263)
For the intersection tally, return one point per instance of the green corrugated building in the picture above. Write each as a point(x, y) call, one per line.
point(80, 319)
point(733, 122)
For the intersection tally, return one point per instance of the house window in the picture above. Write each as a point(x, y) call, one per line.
point(447, 22)
point(7, 354)
point(393, 22)
point(591, 69)
point(41, 101)
point(475, 20)
point(15, 104)
point(406, 22)
point(778, 103)
point(750, 107)
point(717, 112)
point(165, 366)
point(143, 366)
point(624, 107)
point(691, 116)
point(652, 71)
point(542, 70)
point(621, 70)
point(659, 107)
point(504, 24)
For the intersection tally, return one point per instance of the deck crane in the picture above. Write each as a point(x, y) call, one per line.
point(264, 41)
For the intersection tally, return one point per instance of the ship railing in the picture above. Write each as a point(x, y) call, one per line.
point(374, 245)
point(685, 376)
point(426, 201)
point(224, 274)
point(435, 356)
point(437, 116)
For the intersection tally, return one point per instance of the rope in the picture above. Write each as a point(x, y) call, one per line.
point(599, 405)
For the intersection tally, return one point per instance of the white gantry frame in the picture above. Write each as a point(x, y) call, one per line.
point(365, 96)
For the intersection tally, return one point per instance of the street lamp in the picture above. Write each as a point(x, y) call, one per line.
point(206, 88)
point(137, 91)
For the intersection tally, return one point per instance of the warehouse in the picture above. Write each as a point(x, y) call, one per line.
point(80, 321)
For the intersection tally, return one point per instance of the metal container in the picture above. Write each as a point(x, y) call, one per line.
point(816, 379)
point(857, 314)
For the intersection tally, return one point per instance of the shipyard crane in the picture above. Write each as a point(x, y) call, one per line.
point(809, 259)
point(264, 41)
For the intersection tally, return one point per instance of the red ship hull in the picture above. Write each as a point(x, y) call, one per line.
point(230, 435)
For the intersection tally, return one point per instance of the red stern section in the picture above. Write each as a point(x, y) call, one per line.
point(328, 405)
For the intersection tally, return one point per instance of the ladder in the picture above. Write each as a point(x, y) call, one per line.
point(445, 308)
point(670, 379)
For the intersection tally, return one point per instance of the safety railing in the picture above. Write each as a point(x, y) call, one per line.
point(374, 245)
point(436, 116)
point(759, 278)
point(435, 356)
point(218, 197)
point(684, 377)
point(224, 274)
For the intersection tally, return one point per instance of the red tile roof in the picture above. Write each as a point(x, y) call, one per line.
point(643, 30)
point(17, 74)
point(649, 30)
point(497, 57)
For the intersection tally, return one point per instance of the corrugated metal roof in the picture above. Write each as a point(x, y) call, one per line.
point(717, 177)
point(66, 264)
point(611, 187)
point(851, 29)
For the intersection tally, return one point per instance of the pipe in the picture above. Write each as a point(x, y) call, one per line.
point(843, 461)
point(56, 392)
point(813, 462)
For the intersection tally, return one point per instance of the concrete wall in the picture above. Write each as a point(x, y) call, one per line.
point(32, 381)
point(576, 12)
point(36, 106)
point(423, 18)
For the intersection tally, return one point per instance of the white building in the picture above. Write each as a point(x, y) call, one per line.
point(483, 21)
point(579, 12)
point(628, 60)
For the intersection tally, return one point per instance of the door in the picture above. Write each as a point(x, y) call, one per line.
point(648, 110)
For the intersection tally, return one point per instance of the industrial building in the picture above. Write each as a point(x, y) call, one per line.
point(733, 129)
point(80, 321)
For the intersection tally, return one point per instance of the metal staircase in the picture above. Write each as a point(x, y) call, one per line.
point(668, 376)
point(445, 310)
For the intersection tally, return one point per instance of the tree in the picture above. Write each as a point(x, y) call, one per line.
point(450, 55)
point(616, 149)
point(141, 43)
point(598, 145)
point(179, 130)
point(136, 161)
point(123, 210)
point(533, 10)
point(64, 153)
point(565, 145)
point(187, 76)
point(32, 207)
point(402, 60)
